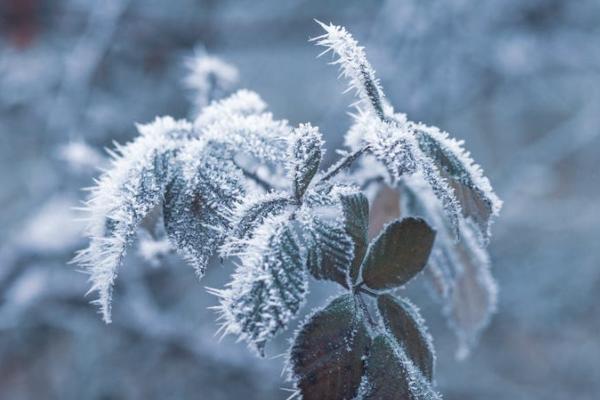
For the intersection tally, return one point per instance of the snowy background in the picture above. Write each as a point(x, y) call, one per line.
point(518, 80)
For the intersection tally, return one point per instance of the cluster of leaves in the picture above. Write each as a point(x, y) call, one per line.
point(241, 184)
point(345, 350)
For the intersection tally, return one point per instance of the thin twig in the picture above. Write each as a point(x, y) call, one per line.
point(343, 164)
point(252, 175)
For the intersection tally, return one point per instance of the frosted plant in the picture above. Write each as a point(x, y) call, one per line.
point(240, 184)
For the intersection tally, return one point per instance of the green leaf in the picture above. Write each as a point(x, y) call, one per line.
point(306, 157)
point(391, 376)
point(403, 322)
point(356, 214)
point(398, 253)
point(330, 252)
point(327, 356)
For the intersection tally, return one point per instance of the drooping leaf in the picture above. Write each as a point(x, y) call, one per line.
point(390, 142)
point(471, 189)
point(124, 195)
point(473, 295)
point(326, 359)
point(196, 205)
point(330, 251)
point(356, 215)
point(305, 157)
point(399, 252)
point(403, 322)
point(459, 272)
point(390, 375)
point(268, 286)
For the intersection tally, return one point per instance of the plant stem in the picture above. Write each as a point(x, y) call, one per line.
point(343, 163)
point(366, 312)
point(252, 175)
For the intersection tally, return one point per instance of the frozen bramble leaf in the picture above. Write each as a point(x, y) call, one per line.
point(399, 252)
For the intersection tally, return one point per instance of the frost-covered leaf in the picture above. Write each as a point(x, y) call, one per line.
point(240, 125)
point(355, 207)
point(243, 103)
point(472, 190)
point(404, 323)
point(268, 286)
point(399, 252)
point(473, 296)
point(248, 215)
point(326, 359)
point(305, 157)
point(197, 203)
point(390, 375)
point(390, 142)
point(353, 64)
point(330, 250)
point(459, 271)
point(123, 196)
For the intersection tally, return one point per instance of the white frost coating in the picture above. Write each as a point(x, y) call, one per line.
point(250, 214)
point(353, 64)
point(393, 142)
point(162, 126)
point(305, 151)
point(420, 388)
point(416, 315)
point(398, 143)
point(208, 74)
point(268, 285)
point(122, 197)
point(465, 162)
point(243, 102)
point(259, 135)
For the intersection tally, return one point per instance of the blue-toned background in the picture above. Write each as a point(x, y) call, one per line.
point(518, 80)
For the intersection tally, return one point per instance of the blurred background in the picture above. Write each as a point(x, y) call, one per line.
point(518, 80)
